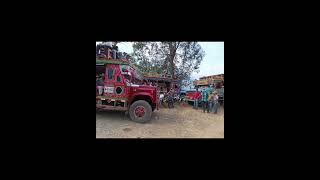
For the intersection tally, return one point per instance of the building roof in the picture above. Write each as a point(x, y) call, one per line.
point(213, 76)
point(103, 61)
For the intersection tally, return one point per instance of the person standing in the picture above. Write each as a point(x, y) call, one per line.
point(196, 96)
point(204, 100)
point(100, 83)
point(215, 102)
point(170, 99)
point(210, 101)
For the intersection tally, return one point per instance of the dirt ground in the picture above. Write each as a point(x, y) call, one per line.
point(179, 122)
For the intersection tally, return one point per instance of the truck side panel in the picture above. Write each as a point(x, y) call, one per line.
point(115, 82)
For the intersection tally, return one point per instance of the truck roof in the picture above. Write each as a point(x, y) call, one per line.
point(103, 61)
point(113, 61)
point(160, 79)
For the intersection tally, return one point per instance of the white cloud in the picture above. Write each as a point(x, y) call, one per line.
point(125, 47)
point(213, 62)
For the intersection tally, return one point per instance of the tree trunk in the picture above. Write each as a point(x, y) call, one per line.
point(171, 58)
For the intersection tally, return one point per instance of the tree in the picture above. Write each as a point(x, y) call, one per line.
point(181, 58)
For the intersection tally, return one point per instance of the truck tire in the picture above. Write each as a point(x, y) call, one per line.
point(140, 111)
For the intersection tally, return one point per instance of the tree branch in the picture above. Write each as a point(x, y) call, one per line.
point(177, 46)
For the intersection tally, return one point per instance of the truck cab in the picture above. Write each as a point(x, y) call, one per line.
point(120, 88)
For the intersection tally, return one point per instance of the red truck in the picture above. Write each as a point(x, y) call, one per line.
point(120, 88)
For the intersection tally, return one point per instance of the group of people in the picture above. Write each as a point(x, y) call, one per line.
point(169, 97)
point(209, 100)
point(150, 84)
point(110, 51)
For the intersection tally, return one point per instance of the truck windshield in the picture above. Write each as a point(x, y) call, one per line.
point(100, 73)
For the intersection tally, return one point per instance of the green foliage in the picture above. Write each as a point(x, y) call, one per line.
point(177, 58)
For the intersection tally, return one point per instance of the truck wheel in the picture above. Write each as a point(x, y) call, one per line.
point(140, 111)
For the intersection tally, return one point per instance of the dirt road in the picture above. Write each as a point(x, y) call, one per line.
point(180, 122)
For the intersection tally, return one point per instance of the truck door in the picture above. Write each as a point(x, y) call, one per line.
point(115, 82)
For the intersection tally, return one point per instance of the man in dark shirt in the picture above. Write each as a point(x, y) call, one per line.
point(170, 98)
point(204, 99)
point(100, 83)
point(114, 51)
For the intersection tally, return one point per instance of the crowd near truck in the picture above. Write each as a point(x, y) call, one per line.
point(119, 86)
point(164, 84)
point(210, 83)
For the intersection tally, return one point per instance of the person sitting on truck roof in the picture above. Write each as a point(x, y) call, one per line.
point(119, 55)
point(100, 50)
point(106, 49)
point(114, 51)
point(108, 53)
point(124, 55)
point(97, 49)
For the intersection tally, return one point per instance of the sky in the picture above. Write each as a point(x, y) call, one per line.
point(212, 63)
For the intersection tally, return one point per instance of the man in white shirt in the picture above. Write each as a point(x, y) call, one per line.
point(215, 102)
